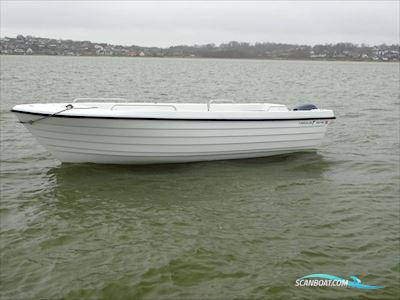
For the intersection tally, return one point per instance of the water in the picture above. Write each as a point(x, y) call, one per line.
point(244, 229)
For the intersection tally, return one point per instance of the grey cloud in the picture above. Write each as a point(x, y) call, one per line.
point(170, 23)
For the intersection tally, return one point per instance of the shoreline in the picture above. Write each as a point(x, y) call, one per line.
point(211, 58)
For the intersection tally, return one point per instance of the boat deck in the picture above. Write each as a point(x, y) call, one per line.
point(212, 105)
point(112, 108)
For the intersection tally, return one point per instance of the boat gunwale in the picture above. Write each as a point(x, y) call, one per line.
point(169, 119)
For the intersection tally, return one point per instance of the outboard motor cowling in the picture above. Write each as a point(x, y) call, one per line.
point(306, 107)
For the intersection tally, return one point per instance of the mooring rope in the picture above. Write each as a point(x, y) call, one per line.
point(68, 107)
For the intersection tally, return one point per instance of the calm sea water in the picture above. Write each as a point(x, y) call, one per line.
point(244, 229)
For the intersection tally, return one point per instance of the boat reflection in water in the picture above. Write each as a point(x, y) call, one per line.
point(86, 186)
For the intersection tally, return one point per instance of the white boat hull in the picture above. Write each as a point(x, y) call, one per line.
point(152, 141)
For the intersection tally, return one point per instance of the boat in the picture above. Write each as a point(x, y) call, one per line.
point(115, 131)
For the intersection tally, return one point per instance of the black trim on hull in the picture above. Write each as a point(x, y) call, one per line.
point(167, 119)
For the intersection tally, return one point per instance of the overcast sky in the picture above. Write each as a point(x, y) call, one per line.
point(167, 23)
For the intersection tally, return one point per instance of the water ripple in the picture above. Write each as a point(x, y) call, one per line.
point(244, 229)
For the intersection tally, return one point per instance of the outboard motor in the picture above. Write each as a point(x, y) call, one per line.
point(306, 107)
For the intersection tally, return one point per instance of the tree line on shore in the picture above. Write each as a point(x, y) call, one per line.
point(339, 51)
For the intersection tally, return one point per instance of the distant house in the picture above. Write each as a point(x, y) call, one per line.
point(108, 51)
point(29, 51)
point(322, 55)
point(19, 51)
point(141, 54)
point(99, 49)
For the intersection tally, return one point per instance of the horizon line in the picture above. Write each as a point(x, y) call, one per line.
point(210, 43)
